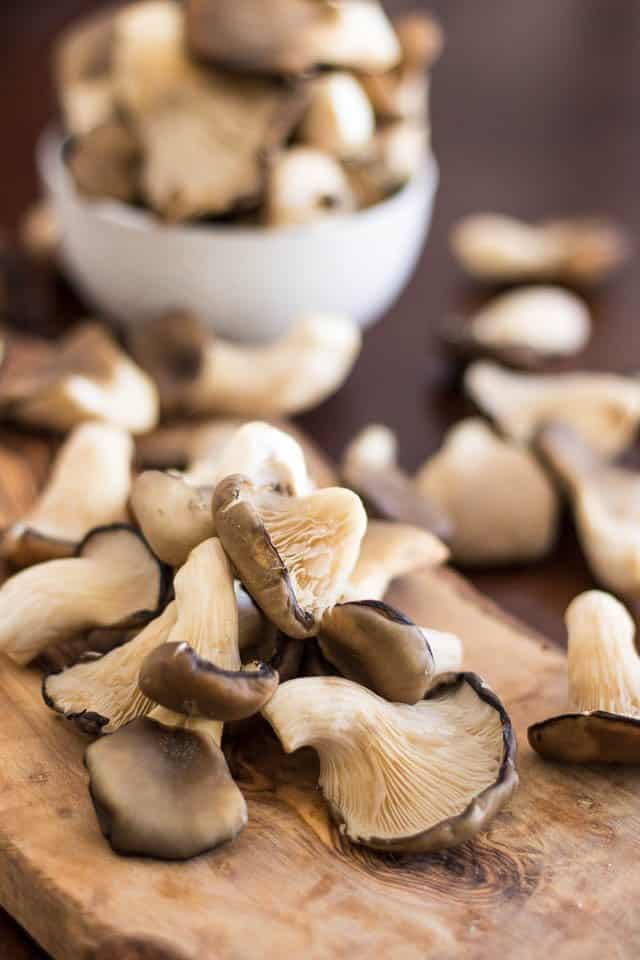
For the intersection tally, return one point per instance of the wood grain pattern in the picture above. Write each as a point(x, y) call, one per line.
point(554, 875)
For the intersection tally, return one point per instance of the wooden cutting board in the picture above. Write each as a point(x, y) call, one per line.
point(556, 876)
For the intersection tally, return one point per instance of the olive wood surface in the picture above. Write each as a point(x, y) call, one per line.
point(555, 875)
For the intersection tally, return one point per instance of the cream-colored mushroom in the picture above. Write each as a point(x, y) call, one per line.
point(524, 327)
point(113, 581)
point(305, 185)
point(399, 777)
point(86, 377)
point(292, 36)
point(500, 248)
point(389, 551)
point(294, 555)
point(286, 376)
point(370, 467)
point(82, 60)
point(606, 505)
point(447, 651)
point(105, 163)
point(105, 693)
point(503, 506)
point(174, 510)
point(88, 487)
point(399, 151)
point(603, 407)
point(602, 722)
point(339, 117)
point(402, 93)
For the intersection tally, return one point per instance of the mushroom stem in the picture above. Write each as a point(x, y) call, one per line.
point(446, 649)
point(603, 666)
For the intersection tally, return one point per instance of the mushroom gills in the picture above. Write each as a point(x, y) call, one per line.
point(294, 555)
point(602, 724)
point(397, 777)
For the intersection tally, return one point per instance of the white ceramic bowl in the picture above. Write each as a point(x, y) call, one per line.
point(248, 283)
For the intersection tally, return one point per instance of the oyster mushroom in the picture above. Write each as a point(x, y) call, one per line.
point(190, 444)
point(370, 467)
point(86, 377)
point(603, 407)
point(339, 117)
point(523, 328)
point(174, 676)
point(497, 248)
point(105, 162)
point(503, 506)
point(402, 93)
point(397, 777)
point(292, 36)
point(294, 555)
point(378, 647)
point(105, 693)
point(305, 185)
point(602, 724)
point(606, 506)
point(398, 152)
point(175, 513)
point(289, 375)
point(88, 487)
point(389, 551)
point(82, 66)
point(114, 580)
point(161, 787)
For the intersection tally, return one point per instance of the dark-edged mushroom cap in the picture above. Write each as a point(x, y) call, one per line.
point(605, 499)
point(375, 645)
point(114, 580)
point(88, 487)
point(525, 328)
point(370, 468)
point(163, 791)
point(397, 777)
point(602, 724)
point(174, 676)
point(294, 555)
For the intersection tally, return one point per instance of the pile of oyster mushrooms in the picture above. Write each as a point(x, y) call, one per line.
point(269, 111)
point(174, 605)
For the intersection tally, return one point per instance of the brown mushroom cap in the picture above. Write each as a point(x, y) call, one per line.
point(286, 547)
point(375, 645)
point(597, 737)
point(163, 791)
point(174, 676)
point(410, 779)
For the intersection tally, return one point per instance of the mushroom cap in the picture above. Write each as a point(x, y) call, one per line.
point(603, 407)
point(294, 555)
point(503, 505)
point(114, 580)
point(174, 515)
point(369, 467)
point(88, 487)
point(304, 185)
point(163, 791)
point(378, 647)
point(174, 676)
point(403, 778)
point(595, 737)
point(391, 550)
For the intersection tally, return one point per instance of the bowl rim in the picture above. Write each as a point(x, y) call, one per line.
point(53, 173)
